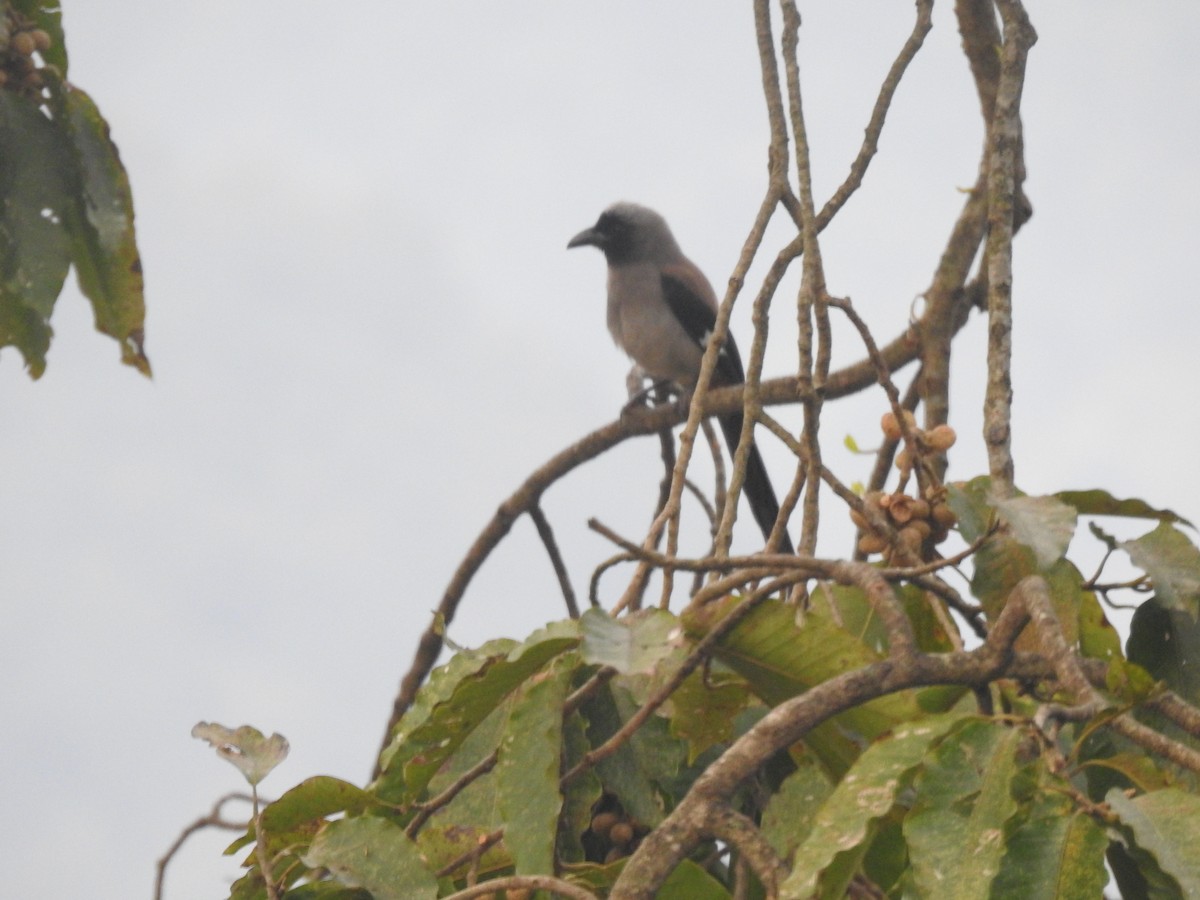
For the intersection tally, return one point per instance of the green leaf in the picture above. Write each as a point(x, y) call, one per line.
point(1043, 524)
point(632, 643)
point(781, 658)
point(690, 881)
point(35, 253)
point(1097, 637)
point(312, 799)
point(866, 794)
point(528, 770)
point(963, 802)
point(1163, 823)
point(1096, 502)
point(245, 747)
point(1002, 562)
point(441, 845)
point(788, 818)
point(1055, 854)
point(457, 698)
point(1136, 770)
point(704, 710)
point(1166, 643)
point(640, 772)
point(580, 794)
point(100, 223)
point(859, 618)
point(970, 503)
point(372, 853)
point(1173, 563)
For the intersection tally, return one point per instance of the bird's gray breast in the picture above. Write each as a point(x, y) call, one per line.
point(644, 327)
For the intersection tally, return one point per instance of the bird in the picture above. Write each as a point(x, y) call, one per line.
point(661, 312)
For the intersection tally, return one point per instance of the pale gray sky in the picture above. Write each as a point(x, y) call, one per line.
point(366, 331)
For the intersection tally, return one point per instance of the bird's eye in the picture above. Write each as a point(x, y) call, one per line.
point(612, 224)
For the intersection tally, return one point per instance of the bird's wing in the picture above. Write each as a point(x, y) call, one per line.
point(691, 300)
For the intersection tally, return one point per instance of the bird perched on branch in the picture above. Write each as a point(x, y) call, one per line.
point(662, 311)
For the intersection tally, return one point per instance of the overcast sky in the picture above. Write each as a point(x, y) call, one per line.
point(366, 331)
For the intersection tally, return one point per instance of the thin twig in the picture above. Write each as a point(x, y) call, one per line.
point(546, 533)
point(473, 855)
point(214, 819)
point(426, 809)
point(870, 144)
point(598, 572)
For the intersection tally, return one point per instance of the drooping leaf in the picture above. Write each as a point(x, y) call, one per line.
point(1057, 853)
point(245, 747)
point(1173, 563)
point(1163, 824)
point(1096, 502)
point(963, 803)
point(35, 253)
point(527, 773)
point(1043, 524)
point(372, 853)
point(632, 643)
point(100, 222)
point(863, 796)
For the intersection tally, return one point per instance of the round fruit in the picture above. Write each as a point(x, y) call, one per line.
point(872, 543)
point(940, 438)
point(23, 42)
point(943, 515)
point(621, 834)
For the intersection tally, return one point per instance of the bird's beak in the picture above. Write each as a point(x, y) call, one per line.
point(587, 237)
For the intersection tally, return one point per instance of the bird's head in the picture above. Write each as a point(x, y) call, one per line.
point(629, 233)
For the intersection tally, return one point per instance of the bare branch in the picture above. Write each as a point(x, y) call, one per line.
point(1004, 148)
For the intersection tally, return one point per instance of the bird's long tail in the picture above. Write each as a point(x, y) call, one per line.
point(757, 485)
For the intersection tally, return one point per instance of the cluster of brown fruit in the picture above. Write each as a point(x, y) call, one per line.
point(919, 523)
point(615, 834)
point(19, 71)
